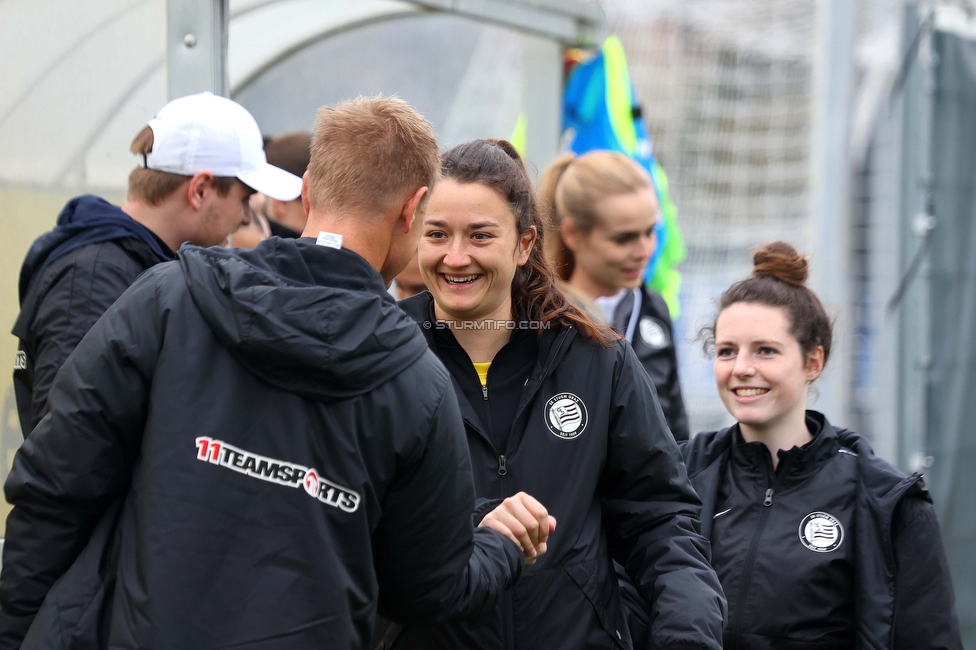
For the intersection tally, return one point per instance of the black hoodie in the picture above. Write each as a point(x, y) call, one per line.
point(69, 277)
point(288, 451)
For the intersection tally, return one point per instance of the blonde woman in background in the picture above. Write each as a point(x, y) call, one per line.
point(604, 213)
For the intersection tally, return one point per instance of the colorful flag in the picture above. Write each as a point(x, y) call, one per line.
point(600, 111)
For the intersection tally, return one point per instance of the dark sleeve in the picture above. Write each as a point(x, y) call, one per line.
point(452, 569)
point(674, 412)
point(651, 512)
point(925, 612)
point(78, 458)
point(676, 416)
point(69, 309)
point(665, 374)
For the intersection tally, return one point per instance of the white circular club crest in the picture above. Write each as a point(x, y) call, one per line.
point(565, 415)
point(821, 532)
point(653, 333)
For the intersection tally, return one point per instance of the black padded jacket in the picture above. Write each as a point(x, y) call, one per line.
point(654, 346)
point(287, 454)
point(62, 294)
point(589, 441)
point(836, 549)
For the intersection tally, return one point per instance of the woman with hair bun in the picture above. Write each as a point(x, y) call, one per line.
point(819, 543)
point(604, 213)
point(556, 407)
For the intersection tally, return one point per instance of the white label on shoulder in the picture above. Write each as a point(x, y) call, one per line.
point(329, 239)
point(20, 361)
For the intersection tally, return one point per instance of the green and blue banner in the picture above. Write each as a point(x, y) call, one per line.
point(600, 111)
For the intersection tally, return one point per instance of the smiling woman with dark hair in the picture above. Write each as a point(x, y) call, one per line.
point(819, 543)
point(559, 408)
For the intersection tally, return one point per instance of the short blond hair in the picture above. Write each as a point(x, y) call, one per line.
point(368, 153)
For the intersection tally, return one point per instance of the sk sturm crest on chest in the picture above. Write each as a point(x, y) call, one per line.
point(653, 332)
point(565, 415)
point(821, 532)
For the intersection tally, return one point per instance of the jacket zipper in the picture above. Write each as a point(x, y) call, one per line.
point(508, 617)
point(750, 560)
point(502, 468)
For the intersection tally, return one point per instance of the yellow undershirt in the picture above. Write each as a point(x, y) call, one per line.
point(482, 369)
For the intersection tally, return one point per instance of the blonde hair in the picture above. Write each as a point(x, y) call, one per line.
point(368, 153)
point(571, 188)
point(153, 187)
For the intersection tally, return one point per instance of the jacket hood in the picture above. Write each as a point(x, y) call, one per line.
point(308, 319)
point(85, 220)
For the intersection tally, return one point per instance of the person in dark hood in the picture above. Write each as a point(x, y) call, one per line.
point(201, 159)
point(605, 218)
point(559, 407)
point(818, 542)
point(288, 455)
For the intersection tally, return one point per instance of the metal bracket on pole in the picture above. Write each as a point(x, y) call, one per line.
point(196, 47)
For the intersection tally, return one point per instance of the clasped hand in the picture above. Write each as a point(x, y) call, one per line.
point(525, 521)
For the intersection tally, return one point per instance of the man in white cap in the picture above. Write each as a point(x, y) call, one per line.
point(202, 156)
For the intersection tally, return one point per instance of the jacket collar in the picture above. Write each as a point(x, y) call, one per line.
point(554, 344)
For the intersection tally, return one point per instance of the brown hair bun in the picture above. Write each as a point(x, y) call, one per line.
point(781, 261)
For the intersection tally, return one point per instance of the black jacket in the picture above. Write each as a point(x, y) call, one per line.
point(654, 345)
point(588, 440)
point(653, 342)
point(70, 276)
point(836, 549)
point(288, 450)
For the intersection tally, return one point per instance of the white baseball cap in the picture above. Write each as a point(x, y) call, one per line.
point(207, 132)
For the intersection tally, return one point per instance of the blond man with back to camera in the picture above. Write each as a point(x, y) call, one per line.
point(288, 454)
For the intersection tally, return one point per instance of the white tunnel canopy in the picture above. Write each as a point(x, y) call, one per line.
point(82, 77)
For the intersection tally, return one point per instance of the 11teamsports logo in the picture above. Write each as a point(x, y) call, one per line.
point(293, 475)
point(565, 415)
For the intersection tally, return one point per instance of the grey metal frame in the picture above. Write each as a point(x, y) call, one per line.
point(834, 72)
point(196, 47)
point(197, 33)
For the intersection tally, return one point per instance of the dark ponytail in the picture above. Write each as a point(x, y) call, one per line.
point(496, 164)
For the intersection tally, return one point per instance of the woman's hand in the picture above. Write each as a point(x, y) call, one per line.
point(525, 521)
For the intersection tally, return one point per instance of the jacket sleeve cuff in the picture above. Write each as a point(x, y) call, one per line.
point(481, 508)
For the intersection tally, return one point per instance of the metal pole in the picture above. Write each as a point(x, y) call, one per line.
point(833, 73)
point(914, 314)
point(542, 97)
point(196, 47)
